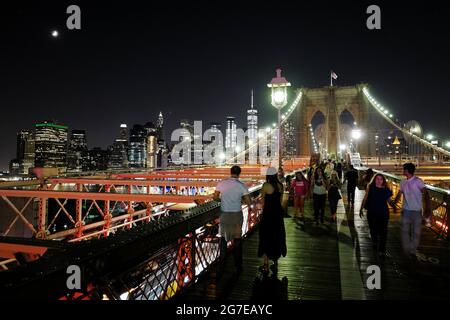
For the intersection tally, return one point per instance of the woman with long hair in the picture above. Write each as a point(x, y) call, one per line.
point(272, 234)
point(319, 192)
point(301, 187)
point(334, 194)
point(376, 202)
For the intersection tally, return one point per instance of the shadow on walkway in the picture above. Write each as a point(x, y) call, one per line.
point(270, 288)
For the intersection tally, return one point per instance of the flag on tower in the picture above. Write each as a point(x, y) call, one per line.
point(333, 76)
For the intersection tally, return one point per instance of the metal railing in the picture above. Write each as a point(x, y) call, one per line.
point(152, 261)
point(155, 260)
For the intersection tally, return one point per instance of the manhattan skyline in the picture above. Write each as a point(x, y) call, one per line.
point(200, 62)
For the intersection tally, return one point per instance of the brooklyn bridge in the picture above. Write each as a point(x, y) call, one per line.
point(153, 234)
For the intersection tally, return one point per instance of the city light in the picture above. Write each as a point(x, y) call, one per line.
point(356, 134)
point(279, 96)
point(447, 144)
point(55, 34)
point(292, 107)
point(430, 137)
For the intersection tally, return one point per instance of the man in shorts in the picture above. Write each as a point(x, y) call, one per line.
point(413, 190)
point(231, 193)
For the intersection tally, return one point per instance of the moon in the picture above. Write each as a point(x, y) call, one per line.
point(55, 34)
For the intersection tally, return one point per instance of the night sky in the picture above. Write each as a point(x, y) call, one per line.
point(199, 61)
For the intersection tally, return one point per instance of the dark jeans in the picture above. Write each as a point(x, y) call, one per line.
point(319, 205)
point(333, 206)
point(378, 225)
point(351, 194)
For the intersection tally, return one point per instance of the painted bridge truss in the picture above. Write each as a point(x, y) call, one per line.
point(155, 192)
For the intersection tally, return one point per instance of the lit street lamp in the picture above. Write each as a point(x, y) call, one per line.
point(278, 87)
point(356, 135)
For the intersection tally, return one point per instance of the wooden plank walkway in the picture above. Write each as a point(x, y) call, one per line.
point(330, 262)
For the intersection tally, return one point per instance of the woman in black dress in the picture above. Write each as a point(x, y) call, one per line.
point(376, 202)
point(272, 234)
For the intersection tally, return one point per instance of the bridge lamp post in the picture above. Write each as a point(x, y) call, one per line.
point(278, 87)
point(342, 148)
point(356, 135)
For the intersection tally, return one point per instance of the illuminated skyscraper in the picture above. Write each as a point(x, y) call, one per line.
point(22, 138)
point(151, 145)
point(138, 146)
point(123, 135)
point(152, 151)
point(51, 145)
point(118, 151)
point(25, 151)
point(76, 152)
point(160, 127)
point(252, 122)
point(230, 138)
point(96, 160)
point(28, 161)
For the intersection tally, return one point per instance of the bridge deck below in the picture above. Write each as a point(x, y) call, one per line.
point(330, 261)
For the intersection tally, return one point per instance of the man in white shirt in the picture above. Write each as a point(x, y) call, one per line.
point(412, 189)
point(231, 193)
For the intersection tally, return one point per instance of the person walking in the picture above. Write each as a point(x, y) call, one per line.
point(319, 192)
point(339, 170)
point(334, 195)
point(301, 188)
point(329, 168)
point(412, 189)
point(375, 202)
point(272, 233)
point(231, 193)
point(284, 195)
point(351, 176)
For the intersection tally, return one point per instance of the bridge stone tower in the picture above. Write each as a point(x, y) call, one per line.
point(332, 102)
